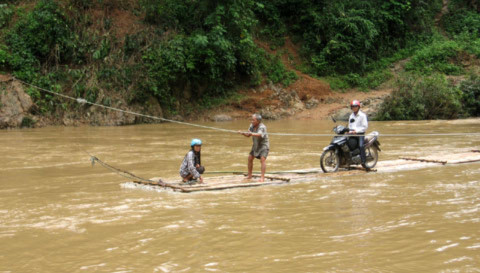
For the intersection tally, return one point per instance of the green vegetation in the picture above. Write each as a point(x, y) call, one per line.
point(418, 98)
point(471, 95)
point(351, 43)
point(425, 93)
point(433, 97)
point(195, 54)
point(187, 51)
point(27, 122)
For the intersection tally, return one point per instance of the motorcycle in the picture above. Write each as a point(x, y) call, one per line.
point(343, 151)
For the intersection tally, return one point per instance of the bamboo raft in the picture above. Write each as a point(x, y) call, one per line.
point(238, 180)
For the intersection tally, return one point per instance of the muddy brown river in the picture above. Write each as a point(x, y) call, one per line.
point(60, 214)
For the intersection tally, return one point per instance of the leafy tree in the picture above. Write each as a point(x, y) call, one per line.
point(418, 98)
point(346, 36)
point(42, 36)
point(471, 95)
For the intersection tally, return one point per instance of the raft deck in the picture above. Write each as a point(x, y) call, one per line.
point(238, 180)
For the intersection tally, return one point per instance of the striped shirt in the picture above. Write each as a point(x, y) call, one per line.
point(188, 166)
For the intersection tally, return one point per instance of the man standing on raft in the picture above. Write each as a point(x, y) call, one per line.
point(260, 147)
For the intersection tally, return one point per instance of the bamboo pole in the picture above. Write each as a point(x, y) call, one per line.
point(466, 161)
point(270, 177)
point(232, 186)
point(424, 160)
point(159, 183)
point(276, 172)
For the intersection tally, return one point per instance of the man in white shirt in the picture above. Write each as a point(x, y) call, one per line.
point(358, 125)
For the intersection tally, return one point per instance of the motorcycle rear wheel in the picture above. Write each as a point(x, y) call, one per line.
point(372, 157)
point(329, 161)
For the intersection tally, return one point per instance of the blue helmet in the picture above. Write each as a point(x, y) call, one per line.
point(195, 142)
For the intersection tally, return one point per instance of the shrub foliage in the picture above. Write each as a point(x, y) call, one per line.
point(418, 98)
point(197, 52)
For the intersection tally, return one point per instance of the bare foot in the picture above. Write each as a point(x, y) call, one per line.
point(247, 180)
point(261, 180)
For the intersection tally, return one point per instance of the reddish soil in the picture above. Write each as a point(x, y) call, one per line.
point(123, 22)
point(5, 78)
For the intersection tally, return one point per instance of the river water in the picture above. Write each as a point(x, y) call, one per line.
point(60, 214)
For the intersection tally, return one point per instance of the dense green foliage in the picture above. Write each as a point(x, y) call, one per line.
point(471, 95)
point(346, 36)
point(463, 17)
point(427, 95)
point(197, 53)
point(194, 51)
point(440, 56)
point(418, 98)
point(43, 36)
point(212, 52)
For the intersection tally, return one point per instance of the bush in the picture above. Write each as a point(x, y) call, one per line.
point(418, 98)
point(46, 102)
point(277, 73)
point(346, 36)
point(4, 56)
point(440, 56)
point(460, 20)
point(212, 51)
point(6, 14)
point(471, 95)
point(370, 80)
point(42, 35)
point(27, 122)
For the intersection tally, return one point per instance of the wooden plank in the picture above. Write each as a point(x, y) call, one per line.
point(231, 186)
point(466, 161)
point(270, 177)
point(154, 183)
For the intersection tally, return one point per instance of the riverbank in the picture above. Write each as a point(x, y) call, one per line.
point(308, 98)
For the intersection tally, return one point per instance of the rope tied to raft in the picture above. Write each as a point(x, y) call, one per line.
point(126, 174)
point(84, 101)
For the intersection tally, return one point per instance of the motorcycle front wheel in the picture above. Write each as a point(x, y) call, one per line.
point(329, 161)
point(372, 157)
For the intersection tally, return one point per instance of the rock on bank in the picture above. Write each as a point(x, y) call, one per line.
point(17, 109)
point(15, 104)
